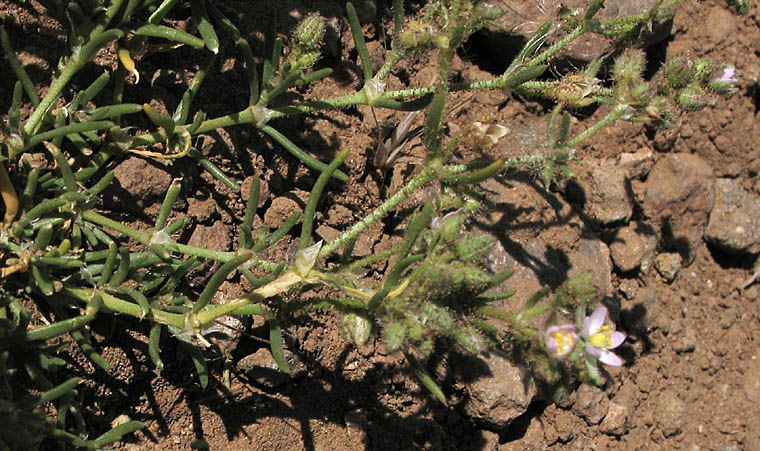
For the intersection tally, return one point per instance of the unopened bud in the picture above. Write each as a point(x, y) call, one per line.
point(395, 333)
point(307, 60)
point(358, 328)
point(693, 97)
point(310, 31)
point(486, 11)
point(679, 72)
point(416, 35)
point(629, 66)
point(723, 80)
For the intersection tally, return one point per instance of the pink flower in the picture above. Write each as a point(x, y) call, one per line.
point(725, 75)
point(601, 337)
point(560, 340)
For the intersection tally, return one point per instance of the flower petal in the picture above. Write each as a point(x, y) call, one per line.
point(586, 329)
point(616, 339)
point(610, 358)
point(596, 320)
point(551, 345)
point(593, 351)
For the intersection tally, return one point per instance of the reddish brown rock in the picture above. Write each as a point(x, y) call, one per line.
point(679, 198)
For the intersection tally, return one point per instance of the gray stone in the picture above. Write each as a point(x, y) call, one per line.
point(638, 164)
point(734, 224)
point(262, 369)
point(668, 265)
point(685, 341)
point(592, 255)
point(617, 421)
point(607, 192)
point(679, 198)
point(591, 404)
point(502, 394)
point(634, 246)
point(671, 413)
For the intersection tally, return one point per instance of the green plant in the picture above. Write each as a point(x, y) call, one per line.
point(61, 257)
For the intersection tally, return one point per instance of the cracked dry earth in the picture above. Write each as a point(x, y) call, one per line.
point(666, 220)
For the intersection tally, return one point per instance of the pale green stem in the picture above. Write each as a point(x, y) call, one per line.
point(144, 239)
point(611, 117)
point(125, 307)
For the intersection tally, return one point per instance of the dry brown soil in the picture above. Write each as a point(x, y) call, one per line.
point(691, 378)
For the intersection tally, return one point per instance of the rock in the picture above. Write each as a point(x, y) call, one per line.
point(719, 24)
point(646, 313)
point(591, 404)
point(261, 368)
point(145, 183)
point(245, 190)
point(502, 394)
point(629, 288)
point(528, 263)
point(638, 164)
point(592, 255)
point(686, 341)
point(734, 224)
point(605, 191)
point(634, 246)
point(617, 421)
point(215, 237)
point(667, 265)
point(524, 17)
point(327, 233)
point(281, 209)
point(671, 413)
point(678, 200)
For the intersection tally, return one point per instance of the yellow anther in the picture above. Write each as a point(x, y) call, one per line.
point(564, 341)
point(603, 338)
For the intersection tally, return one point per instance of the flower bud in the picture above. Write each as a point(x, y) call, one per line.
point(310, 31)
point(486, 11)
point(723, 80)
point(416, 35)
point(357, 327)
point(560, 340)
point(629, 66)
point(679, 72)
point(471, 340)
point(307, 60)
point(693, 97)
point(395, 333)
